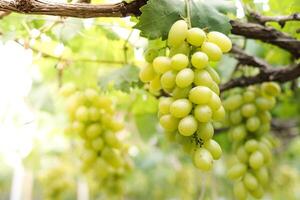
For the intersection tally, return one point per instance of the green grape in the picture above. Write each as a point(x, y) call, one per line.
point(73, 102)
point(248, 96)
point(203, 159)
point(161, 64)
point(242, 154)
point(203, 113)
point(205, 131)
point(251, 145)
point(98, 144)
point(169, 122)
point(239, 190)
point(67, 89)
point(179, 93)
point(238, 133)
point(252, 124)
point(180, 108)
point(248, 110)
point(77, 126)
point(82, 114)
point(219, 114)
point(94, 114)
point(250, 182)
point(93, 130)
point(187, 126)
point(271, 88)
point(237, 171)
point(185, 77)
point(113, 157)
point(182, 48)
point(179, 61)
point(177, 33)
point(221, 40)
point(262, 175)
point(256, 160)
point(167, 80)
point(233, 102)
point(215, 102)
point(147, 73)
point(111, 139)
point(264, 117)
point(214, 148)
point(257, 193)
point(213, 52)
point(214, 75)
point(196, 36)
point(235, 117)
point(266, 152)
point(164, 105)
point(202, 77)
point(199, 60)
point(150, 54)
point(200, 95)
point(154, 85)
point(265, 103)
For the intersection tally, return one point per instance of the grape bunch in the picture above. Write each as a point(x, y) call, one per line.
point(248, 115)
point(191, 88)
point(92, 118)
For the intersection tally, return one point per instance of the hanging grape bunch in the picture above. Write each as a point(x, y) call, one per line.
point(191, 85)
point(92, 118)
point(249, 116)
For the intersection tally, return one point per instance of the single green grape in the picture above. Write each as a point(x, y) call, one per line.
point(256, 160)
point(167, 80)
point(168, 122)
point(147, 73)
point(250, 181)
point(161, 64)
point(164, 104)
point(203, 159)
point(214, 148)
point(205, 131)
point(177, 33)
point(179, 61)
point(199, 60)
point(184, 78)
point(200, 95)
point(187, 126)
point(237, 171)
point(221, 40)
point(203, 113)
point(240, 191)
point(213, 52)
point(150, 54)
point(196, 36)
point(180, 108)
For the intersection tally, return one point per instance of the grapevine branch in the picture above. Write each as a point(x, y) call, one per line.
point(279, 19)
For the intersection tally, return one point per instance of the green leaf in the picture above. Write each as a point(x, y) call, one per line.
point(159, 15)
point(121, 79)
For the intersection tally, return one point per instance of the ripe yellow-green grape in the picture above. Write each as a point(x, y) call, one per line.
point(193, 103)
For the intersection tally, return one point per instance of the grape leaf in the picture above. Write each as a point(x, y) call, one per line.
point(159, 15)
point(121, 79)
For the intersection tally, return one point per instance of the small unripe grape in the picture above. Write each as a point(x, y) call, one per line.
point(164, 105)
point(221, 40)
point(154, 85)
point(150, 54)
point(252, 124)
point(199, 60)
point(93, 130)
point(168, 122)
point(250, 182)
point(239, 190)
point(265, 103)
point(215, 76)
point(200, 95)
point(248, 96)
point(205, 131)
point(180, 108)
point(219, 114)
point(213, 52)
point(179, 93)
point(238, 133)
point(203, 78)
point(237, 171)
point(112, 140)
point(196, 36)
point(266, 152)
point(257, 193)
point(242, 154)
point(203, 159)
point(256, 160)
point(182, 48)
point(215, 102)
point(203, 113)
point(233, 102)
point(187, 126)
point(264, 117)
point(167, 80)
point(248, 110)
point(185, 77)
point(177, 33)
point(82, 114)
point(147, 73)
point(214, 148)
point(179, 61)
point(235, 117)
point(161, 64)
point(262, 175)
point(251, 146)
point(271, 88)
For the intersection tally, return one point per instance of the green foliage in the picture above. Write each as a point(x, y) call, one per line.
point(203, 15)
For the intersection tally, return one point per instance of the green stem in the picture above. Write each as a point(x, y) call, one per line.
point(188, 13)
